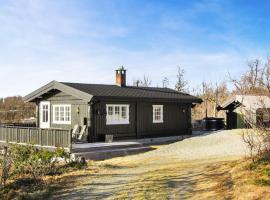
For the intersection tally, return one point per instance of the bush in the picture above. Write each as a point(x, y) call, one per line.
point(29, 160)
point(26, 166)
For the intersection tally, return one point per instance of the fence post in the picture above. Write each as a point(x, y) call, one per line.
point(40, 136)
point(7, 130)
point(54, 138)
point(17, 135)
point(29, 135)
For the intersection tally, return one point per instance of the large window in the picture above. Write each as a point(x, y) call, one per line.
point(61, 114)
point(117, 114)
point(157, 113)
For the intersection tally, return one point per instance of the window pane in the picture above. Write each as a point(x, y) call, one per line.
point(43, 116)
point(45, 113)
point(110, 110)
point(56, 113)
point(62, 113)
point(117, 113)
point(67, 114)
point(124, 112)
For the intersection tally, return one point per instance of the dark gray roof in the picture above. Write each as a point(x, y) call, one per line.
point(101, 90)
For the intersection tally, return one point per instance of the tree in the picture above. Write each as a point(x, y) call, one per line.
point(181, 83)
point(212, 96)
point(14, 109)
point(266, 75)
point(253, 80)
point(145, 82)
point(165, 82)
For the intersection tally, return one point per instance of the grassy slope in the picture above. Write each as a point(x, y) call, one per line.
point(118, 179)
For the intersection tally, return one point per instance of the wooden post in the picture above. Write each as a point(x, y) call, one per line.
point(54, 142)
point(17, 135)
point(29, 135)
point(40, 136)
point(7, 134)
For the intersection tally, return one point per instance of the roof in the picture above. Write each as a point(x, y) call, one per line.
point(100, 90)
point(250, 102)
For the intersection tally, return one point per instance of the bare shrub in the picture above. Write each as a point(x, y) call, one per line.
point(5, 164)
point(257, 138)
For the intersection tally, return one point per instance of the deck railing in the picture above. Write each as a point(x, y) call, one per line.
point(36, 136)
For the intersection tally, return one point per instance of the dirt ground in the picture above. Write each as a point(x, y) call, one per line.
point(189, 169)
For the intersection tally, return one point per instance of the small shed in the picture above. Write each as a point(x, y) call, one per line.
point(246, 110)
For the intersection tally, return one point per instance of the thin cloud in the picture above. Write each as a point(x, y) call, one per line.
point(85, 41)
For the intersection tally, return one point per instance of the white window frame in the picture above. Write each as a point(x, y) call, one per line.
point(54, 115)
point(117, 119)
point(161, 114)
point(46, 123)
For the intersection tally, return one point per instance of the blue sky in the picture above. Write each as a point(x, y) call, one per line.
point(85, 40)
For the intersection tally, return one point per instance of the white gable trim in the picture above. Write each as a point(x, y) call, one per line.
point(58, 86)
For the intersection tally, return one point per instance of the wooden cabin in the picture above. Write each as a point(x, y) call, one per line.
point(126, 112)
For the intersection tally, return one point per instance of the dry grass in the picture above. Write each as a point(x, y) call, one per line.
point(188, 180)
point(220, 180)
point(232, 180)
point(19, 188)
point(165, 174)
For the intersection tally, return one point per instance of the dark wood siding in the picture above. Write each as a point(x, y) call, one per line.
point(176, 117)
point(121, 131)
point(176, 120)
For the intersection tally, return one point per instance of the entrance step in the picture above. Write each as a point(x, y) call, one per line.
point(110, 153)
point(90, 147)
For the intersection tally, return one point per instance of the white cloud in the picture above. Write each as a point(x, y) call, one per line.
point(55, 40)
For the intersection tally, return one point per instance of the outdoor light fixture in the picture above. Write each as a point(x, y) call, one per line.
point(78, 110)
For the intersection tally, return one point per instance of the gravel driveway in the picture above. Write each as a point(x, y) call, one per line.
point(217, 144)
point(189, 157)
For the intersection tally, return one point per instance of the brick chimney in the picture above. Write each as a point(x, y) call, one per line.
point(120, 76)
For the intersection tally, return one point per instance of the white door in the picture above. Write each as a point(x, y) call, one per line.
point(44, 114)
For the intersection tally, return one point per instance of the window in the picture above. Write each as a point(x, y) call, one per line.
point(117, 114)
point(45, 113)
point(62, 114)
point(266, 117)
point(157, 113)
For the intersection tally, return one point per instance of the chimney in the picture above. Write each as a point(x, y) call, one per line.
point(121, 76)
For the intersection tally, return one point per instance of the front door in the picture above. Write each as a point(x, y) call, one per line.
point(44, 114)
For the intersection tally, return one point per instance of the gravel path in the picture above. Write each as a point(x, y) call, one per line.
point(209, 145)
point(188, 156)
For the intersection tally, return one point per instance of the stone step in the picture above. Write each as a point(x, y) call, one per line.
point(91, 147)
point(110, 153)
